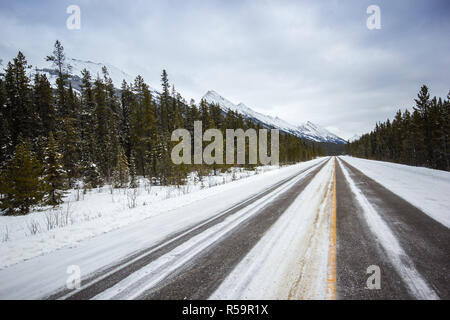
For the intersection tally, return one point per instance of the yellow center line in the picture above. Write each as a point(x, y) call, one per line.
point(331, 276)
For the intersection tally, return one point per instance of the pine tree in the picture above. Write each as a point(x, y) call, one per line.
point(121, 172)
point(423, 107)
point(87, 122)
point(419, 139)
point(58, 59)
point(54, 174)
point(68, 135)
point(5, 133)
point(143, 128)
point(43, 104)
point(101, 131)
point(19, 112)
point(21, 184)
point(164, 103)
point(125, 115)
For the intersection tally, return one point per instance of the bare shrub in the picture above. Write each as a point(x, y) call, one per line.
point(59, 218)
point(33, 226)
point(131, 198)
point(148, 186)
point(5, 235)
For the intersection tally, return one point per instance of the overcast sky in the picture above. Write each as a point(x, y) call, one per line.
point(299, 60)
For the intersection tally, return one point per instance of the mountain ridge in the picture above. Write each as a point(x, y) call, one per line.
point(307, 130)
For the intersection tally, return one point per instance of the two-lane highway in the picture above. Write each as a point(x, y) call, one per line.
point(317, 233)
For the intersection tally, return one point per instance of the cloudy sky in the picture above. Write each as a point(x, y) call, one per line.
point(299, 60)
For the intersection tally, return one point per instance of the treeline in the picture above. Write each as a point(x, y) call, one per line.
point(420, 138)
point(53, 139)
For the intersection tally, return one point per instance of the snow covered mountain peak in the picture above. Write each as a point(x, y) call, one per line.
point(308, 130)
point(95, 69)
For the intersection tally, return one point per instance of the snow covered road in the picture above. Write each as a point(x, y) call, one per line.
point(379, 227)
point(266, 237)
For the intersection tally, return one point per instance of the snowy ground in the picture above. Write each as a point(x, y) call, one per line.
point(426, 189)
point(101, 210)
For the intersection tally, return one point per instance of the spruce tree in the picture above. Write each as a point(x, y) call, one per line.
point(21, 184)
point(58, 59)
point(43, 104)
point(19, 112)
point(121, 171)
point(69, 137)
point(125, 115)
point(54, 174)
point(5, 133)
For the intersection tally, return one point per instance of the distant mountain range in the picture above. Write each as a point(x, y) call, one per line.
point(307, 130)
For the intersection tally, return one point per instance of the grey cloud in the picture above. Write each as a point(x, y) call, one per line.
point(300, 60)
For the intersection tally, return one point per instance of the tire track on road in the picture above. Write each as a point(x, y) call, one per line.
point(202, 276)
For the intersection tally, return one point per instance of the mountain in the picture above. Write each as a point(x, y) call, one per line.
point(308, 130)
point(95, 69)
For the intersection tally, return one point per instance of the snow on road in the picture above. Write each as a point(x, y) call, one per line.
point(426, 189)
point(33, 267)
point(140, 281)
point(290, 261)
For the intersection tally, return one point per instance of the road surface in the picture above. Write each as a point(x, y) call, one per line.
point(317, 234)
